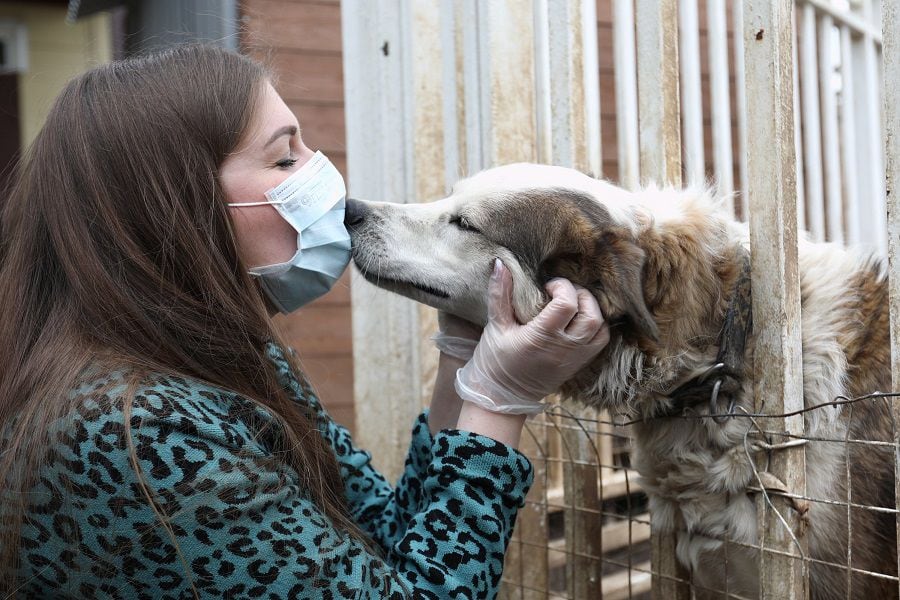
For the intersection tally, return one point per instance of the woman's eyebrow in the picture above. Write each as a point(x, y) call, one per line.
point(290, 130)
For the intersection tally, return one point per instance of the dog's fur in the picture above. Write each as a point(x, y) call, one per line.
point(661, 263)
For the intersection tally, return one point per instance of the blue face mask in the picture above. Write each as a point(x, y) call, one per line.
point(312, 200)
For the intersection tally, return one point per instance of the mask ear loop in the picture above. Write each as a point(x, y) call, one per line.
point(263, 203)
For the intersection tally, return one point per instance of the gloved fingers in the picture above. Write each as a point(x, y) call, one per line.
point(563, 306)
point(601, 338)
point(588, 320)
point(500, 303)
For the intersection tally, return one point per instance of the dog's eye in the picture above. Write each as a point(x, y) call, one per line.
point(464, 224)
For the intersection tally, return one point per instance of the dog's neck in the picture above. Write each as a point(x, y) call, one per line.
point(692, 264)
point(724, 377)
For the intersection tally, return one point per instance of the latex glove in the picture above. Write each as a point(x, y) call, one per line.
point(515, 366)
point(456, 337)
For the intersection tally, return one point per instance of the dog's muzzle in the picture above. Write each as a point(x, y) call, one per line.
point(355, 214)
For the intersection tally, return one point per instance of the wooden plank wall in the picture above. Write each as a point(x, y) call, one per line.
point(301, 41)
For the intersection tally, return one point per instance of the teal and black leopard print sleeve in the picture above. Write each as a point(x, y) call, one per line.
point(244, 525)
point(382, 510)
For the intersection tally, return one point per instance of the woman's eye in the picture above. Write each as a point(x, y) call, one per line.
point(286, 163)
point(464, 224)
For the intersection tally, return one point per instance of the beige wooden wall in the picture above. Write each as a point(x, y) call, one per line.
point(301, 41)
point(57, 51)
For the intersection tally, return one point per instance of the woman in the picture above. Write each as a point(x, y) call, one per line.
point(159, 440)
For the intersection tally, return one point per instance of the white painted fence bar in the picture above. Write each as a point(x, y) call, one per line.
point(720, 97)
point(506, 79)
point(849, 140)
point(501, 54)
point(798, 141)
point(660, 137)
point(453, 111)
point(388, 161)
point(691, 97)
point(590, 62)
point(571, 90)
point(869, 163)
point(812, 125)
point(545, 76)
point(741, 103)
point(831, 142)
point(891, 52)
point(658, 101)
point(626, 94)
point(472, 38)
point(776, 291)
point(864, 56)
point(846, 17)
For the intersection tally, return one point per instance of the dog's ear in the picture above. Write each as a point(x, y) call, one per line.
point(584, 245)
point(618, 274)
point(611, 266)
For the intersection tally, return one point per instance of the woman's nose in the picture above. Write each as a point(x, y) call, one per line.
point(355, 212)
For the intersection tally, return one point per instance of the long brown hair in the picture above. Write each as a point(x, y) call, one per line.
point(115, 242)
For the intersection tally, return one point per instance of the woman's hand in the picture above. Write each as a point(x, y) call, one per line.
point(515, 366)
point(456, 339)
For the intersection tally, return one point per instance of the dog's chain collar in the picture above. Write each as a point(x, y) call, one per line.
point(722, 378)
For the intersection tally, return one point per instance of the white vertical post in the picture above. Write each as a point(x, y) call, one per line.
point(798, 141)
point(849, 141)
point(691, 97)
point(812, 129)
point(572, 94)
point(544, 73)
point(891, 53)
point(658, 102)
point(778, 384)
point(394, 153)
point(741, 98)
point(831, 142)
point(660, 142)
point(471, 41)
point(571, 89)
point(626, 94)
point(502, 114)
point(505, 72)
point(871, 147)
point(453, 90)
point(720, 98)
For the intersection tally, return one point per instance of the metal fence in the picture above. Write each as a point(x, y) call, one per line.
point(778, 102)
point(585, 531)
point(837, 110)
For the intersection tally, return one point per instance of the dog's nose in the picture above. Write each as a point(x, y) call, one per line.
point(355, 213)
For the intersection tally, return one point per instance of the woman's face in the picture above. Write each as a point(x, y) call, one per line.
point(271, 150)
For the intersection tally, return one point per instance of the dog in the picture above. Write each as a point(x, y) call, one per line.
point(670, 271)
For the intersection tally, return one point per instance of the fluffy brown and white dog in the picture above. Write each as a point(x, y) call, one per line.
point(665, 266)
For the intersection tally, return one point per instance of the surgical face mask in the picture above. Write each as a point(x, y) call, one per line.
point(312, 200)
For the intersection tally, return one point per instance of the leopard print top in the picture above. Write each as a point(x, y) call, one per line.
point(243, 522)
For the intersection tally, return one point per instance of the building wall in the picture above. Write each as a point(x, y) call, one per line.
point(57, 51)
